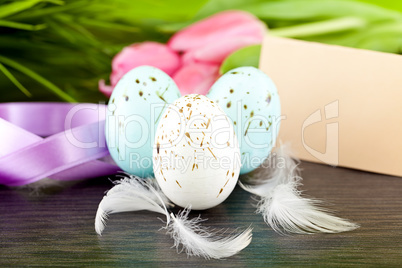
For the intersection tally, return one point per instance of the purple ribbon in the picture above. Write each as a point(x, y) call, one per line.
point(74, 147)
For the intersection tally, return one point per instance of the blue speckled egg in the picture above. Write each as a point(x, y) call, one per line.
point(134, 110)
point(250, 99)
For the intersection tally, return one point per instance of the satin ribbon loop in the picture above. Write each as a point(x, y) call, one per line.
point(75, 140)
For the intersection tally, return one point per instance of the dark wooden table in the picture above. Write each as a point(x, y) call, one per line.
point(56, 228)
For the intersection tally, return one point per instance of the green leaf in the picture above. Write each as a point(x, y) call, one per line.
point(386, 43)
point(18, 6)
point(385, 37)
point(319, 9)
point(390, 4)
point(61, 31)
point(320, 27)
point(46, 11)
point(247, 56)
point(109, 25)
point(83, 32)
point(214, 6)
point(21, 26)
point(14, 80)
point(210, 8)
point(52, 87)
point(166, 10)
point(172, 27)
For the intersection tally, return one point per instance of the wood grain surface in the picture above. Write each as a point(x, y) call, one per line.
point(56, 227)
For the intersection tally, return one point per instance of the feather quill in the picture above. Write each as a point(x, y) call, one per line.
point(281, 203)
point(134, 194)
point(199, 241)
point(131, 194)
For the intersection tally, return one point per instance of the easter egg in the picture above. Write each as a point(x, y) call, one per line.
point(250, 98)
point(196, 154)
point(134, 110)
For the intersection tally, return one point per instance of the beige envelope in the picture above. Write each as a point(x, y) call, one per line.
point(343, 106)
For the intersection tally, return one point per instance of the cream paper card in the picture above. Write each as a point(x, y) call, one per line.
point(343, 106)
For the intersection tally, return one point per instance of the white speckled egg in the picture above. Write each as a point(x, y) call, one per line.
point(134, 110)
point(196, 153)
point(250, 98)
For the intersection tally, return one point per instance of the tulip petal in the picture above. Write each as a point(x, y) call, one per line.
point(218, 51)
point(217, 27)
point(106, 90)
point(147, 53)
point(196, 78)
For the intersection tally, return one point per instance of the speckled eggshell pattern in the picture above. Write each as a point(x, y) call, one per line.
point(250, 98)
point(196, 154)
point(134, 110)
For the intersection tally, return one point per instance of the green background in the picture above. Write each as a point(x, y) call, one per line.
point(54, 50)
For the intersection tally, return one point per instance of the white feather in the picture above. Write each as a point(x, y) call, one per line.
point(198, 241)
point(131, 194)
point(282, 205)
point(278, 168)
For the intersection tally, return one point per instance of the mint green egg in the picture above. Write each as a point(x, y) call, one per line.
point(134, 110)
point(250, 99)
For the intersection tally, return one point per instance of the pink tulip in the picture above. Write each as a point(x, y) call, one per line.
point(219, 50)
point(203, 45)
point(147, 53)
point(214, 38)
point(196, 78)
point(207, 43)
